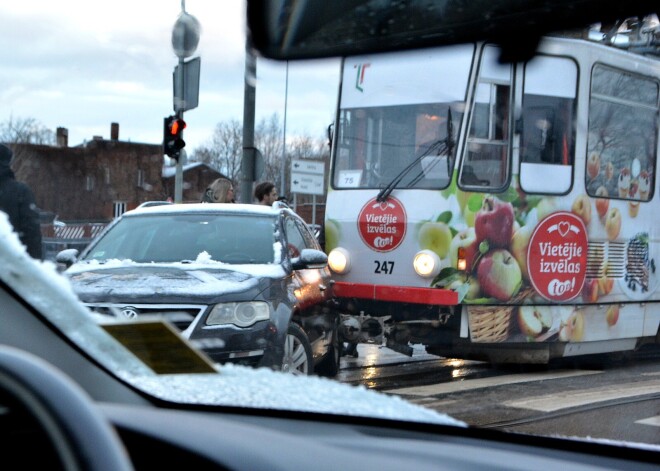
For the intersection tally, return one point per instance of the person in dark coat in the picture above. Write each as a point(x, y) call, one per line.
point(17, 200)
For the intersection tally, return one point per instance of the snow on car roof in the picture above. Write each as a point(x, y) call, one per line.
point(256, 209)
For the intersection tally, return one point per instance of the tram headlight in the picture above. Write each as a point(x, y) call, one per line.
point(339, 260)
point(426, 263)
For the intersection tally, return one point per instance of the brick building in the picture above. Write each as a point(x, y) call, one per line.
point(100, 179)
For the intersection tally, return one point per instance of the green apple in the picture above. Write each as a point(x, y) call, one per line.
point(520, 245)
point(435, 236)
point(472, 207)
point(545, 207)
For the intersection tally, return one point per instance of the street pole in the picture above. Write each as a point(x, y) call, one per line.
point(178, 178)
point(185, 38)
point(249, 100)
point(283, 164)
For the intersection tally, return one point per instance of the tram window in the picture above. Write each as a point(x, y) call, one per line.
point(486, 160)
point(622, 140)
point(547, 125)
point(378, 144)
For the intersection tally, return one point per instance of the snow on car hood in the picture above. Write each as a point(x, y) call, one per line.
point(49, 292)
point(180, 279)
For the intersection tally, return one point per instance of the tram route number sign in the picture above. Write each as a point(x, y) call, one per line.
point(307, 177)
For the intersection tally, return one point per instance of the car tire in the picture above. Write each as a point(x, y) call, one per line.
point(298, 358)
point(329, 365)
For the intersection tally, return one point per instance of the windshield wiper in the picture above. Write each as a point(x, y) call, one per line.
point(440, 147)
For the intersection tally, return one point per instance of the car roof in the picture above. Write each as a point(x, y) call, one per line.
point(256, 209)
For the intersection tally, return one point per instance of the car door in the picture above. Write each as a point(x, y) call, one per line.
point(312, 283)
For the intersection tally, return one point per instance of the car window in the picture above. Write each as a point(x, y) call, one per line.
point(167, 239)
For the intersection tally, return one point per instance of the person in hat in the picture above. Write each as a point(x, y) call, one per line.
point(17, 200)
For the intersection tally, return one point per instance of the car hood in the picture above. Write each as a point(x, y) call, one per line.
point(98, 282)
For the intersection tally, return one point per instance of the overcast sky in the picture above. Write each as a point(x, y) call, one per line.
point(82, 65)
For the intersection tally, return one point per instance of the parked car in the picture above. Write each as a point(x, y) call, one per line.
point(244, 283)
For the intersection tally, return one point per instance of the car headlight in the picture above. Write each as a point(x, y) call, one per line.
point(339, 260)
point(426, 263)
point(239, 314)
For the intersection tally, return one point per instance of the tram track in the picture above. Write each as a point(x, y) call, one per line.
point(569, 412)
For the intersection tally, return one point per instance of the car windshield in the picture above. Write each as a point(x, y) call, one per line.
point(463, 234)
point(164, 238)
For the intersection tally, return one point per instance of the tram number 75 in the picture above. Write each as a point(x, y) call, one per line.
point(384, 267)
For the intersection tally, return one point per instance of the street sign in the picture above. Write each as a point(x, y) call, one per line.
point(307, 176)
point(307, 166)
point(307, 183)
point(190, 83)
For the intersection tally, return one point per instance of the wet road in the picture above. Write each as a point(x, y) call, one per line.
point(602, 397)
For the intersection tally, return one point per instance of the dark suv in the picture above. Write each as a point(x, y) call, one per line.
point(244, 283)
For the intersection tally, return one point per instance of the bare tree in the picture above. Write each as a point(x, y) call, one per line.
point(224, 150)
point(268, 139)
point(25, 131)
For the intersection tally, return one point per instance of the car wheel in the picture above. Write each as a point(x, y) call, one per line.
point(329, 366)
point(298, 357)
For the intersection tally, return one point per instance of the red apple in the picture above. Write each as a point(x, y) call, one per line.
point(593, 165)
point(602, 204)
point(467, 240)
point(582, 208)
point(613, 223)
point(590, 290)
point(612, 315)
point(494, 221)
point(499, 275)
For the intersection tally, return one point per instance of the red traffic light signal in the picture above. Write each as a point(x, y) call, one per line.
point(172, 136)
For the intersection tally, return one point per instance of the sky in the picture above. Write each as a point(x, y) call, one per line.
point(83, 65)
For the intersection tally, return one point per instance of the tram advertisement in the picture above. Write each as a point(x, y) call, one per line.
point(539, 268)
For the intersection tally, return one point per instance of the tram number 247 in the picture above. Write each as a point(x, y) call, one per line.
point(384, 267)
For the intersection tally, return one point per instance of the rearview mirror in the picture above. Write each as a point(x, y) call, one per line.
point(307, 29)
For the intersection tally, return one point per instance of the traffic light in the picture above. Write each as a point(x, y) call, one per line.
point(172, 136)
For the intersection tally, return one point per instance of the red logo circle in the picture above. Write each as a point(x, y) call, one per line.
point(382, 226)
point(557, 256)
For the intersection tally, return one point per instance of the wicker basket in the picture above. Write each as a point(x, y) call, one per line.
point(489, 323)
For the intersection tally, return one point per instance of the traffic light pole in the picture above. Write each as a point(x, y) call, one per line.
point(178, 178)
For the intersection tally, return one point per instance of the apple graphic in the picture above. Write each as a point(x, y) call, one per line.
point(612, 315)
point(435, 236)
point(582, 208)
point(545, 207)
point(613, 223)
point(590, 290)
point(602, 204)
point(605, 283)
point(474, 291)
point(593, 165)
point(575, 326)
point(466, 239)
point(520, 246)
point(494, 221)
point(534, 320)
point(499, 275)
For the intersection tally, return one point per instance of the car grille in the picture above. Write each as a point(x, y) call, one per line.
point(181, 316)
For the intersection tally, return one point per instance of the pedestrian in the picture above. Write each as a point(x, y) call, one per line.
point(266, 193)
point(17, 200)
point(221, 190)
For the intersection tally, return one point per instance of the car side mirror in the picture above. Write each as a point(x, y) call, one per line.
point(310, 258)
point(67, 257)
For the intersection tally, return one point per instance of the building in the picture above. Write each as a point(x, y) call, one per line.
point(100, 179)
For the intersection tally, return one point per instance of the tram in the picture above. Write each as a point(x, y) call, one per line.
point(497, 211)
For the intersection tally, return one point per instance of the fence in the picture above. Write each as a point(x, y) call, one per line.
point(57, 237)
